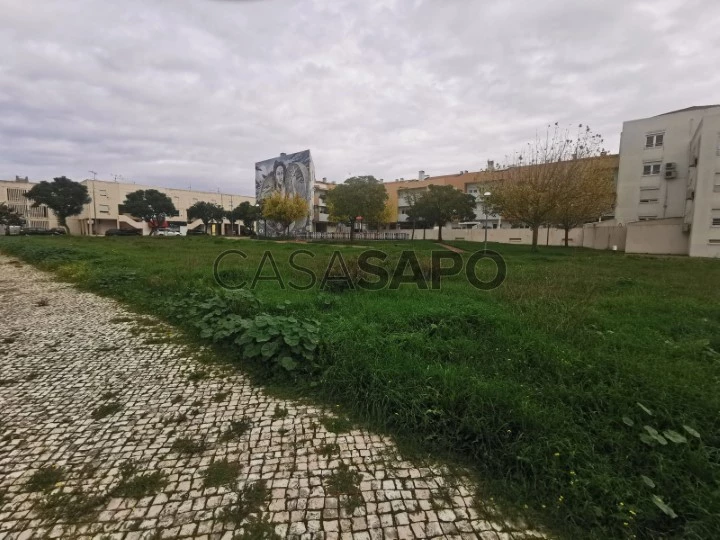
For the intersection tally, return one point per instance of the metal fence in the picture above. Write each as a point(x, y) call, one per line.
point(372, 235)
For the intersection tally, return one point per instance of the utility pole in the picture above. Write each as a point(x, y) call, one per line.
point(93, 200)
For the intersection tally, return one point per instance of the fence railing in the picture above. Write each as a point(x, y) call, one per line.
point(372, 235)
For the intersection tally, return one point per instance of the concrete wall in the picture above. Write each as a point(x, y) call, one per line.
point(659, 236)
point(604, 236)
point(504, 236)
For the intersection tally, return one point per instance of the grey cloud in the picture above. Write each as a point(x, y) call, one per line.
point(195, 91)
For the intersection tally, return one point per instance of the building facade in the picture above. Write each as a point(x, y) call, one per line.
point(669, 177)
point(12, 193)
point(103, 211)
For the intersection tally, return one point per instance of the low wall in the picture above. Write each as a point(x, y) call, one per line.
point(657, 236)
point(505, 236)
point(604, 236)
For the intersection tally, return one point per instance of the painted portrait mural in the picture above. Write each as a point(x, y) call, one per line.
point(289, 174)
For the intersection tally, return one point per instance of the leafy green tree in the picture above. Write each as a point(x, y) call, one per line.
point(206, 212)
point(440, 205)
point(63, 196)
point(284, 209)
point(247, 213)
point(151, 206)
point(359, 196)
point(9, 217)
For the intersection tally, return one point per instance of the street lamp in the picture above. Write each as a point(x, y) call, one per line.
point(485, 196)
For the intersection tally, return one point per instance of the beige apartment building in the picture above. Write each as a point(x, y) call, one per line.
point(668, 190)
point(12, 193)
point(103, 212)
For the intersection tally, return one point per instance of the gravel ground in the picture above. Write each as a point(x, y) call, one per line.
point(110, 428)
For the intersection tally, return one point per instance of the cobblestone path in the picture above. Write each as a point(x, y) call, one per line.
point(109, 429)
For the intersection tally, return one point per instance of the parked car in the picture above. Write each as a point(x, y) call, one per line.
point(195, 232)
point(168, 232)
point(32, 231)
point(123, 232)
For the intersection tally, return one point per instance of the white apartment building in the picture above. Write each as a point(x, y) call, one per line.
point(669, 177)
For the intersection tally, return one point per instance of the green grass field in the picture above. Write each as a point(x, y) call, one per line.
point(586, 387)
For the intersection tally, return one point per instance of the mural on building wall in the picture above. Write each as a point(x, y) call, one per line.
point(289, 174)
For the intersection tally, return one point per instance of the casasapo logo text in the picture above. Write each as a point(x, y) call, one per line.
point(371, 270)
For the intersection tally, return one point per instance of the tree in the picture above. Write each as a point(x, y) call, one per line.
point(151, 206)
point(206, 212)
point(245, 212)
point(441, 204)
point(284, 209)
point(359, 196)
point(585, 197)
point(542, 184)
point(63, 196)
point(411, 197)
point(250, 214)
point(9, 217)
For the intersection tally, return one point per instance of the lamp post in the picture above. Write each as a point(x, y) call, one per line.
point(94, 219)
point(485, 196)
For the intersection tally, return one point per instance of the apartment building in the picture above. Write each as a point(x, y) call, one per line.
point(321, 215)
point(103, 211)
point(474, 183)
point(668, 190)
point(12, 193)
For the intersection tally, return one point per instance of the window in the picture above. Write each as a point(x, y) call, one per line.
point(650, 169)
point(717, 148)
point(646, 218)
point(714, 241)
point(103, 192)
point(654, 140)
point(648, 201)
point(715, 217)
point(716, 186)
point(103, 208)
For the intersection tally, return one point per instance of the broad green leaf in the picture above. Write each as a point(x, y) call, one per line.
point(664, 507)
point(647, 481)
point(292, 340)
point(651, 430)
point(288, 363)
point(674, 436)
point(269, 349)
point(627, 421)
point(644, 408)
point(647, 439)
point(691, 431)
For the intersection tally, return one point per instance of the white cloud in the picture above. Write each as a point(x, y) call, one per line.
point(176, 92)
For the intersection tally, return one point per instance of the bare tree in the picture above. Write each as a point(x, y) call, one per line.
point(546, 181)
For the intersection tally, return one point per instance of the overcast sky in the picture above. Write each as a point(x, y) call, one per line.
point(194, 92)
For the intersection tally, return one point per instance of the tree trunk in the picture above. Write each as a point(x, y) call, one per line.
point(535, 238)
point(352, 231)
point(413, 231)
point(62, 221)
point(567, 234)
point(439, 233)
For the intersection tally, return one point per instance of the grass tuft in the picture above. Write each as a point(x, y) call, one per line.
point(106, 409)
point(45, 478)
point(186, 445)
point(221, 473)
